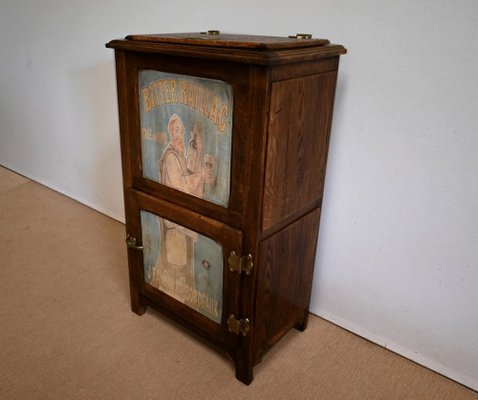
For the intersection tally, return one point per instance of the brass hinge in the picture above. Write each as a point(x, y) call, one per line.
point(211, 32)
point(301, 36)
point(239, 264)
point(238, 326)
point(131, 243)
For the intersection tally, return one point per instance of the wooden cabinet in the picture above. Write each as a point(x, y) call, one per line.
point(224, 144)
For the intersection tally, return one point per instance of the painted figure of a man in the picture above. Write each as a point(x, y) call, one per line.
point(184, 171)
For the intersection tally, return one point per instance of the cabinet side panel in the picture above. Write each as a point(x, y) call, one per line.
point(299, 127)
point(284, 280)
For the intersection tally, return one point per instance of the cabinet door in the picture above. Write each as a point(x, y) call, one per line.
point(182, 267)
point(187, 134)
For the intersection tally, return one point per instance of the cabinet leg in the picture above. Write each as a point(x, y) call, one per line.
point(138, 309)
point(244, 371)
point(302, 325)
point(137, 306)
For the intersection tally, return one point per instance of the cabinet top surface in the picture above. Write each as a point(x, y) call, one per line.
point(216, 39)
point(248, 49)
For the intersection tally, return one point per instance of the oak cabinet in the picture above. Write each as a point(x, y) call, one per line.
point(224, 144)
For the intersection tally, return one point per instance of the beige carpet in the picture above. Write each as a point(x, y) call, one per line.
point(67, 332)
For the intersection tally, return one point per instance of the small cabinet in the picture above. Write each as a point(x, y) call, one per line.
point(224, 143)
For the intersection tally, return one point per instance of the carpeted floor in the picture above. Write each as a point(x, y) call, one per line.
point(67, 332)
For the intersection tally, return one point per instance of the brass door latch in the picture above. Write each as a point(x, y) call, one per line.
point(131, 243)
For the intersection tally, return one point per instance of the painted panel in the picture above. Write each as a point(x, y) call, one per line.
point(183, 264)
point(186, 129)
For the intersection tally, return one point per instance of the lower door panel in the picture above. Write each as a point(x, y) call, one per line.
point(182, 267)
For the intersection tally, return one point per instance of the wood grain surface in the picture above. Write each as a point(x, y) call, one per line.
point(299, 128)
